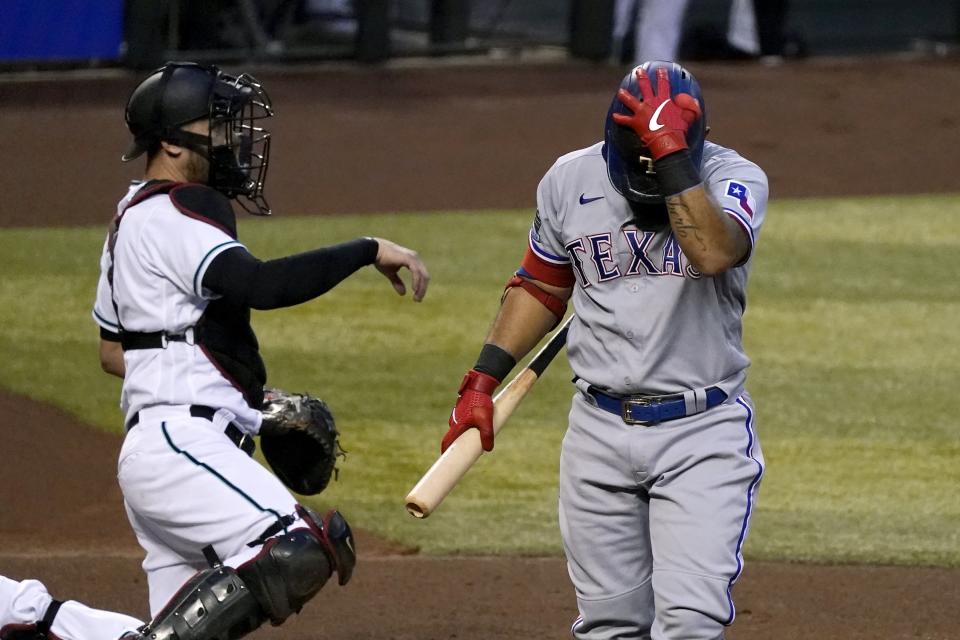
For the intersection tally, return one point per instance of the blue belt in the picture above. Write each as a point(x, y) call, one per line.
point(649, 410)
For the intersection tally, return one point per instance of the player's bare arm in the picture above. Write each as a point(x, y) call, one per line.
point(710, 238)
point(522, 320)
point(529, 309)
point(111, 358)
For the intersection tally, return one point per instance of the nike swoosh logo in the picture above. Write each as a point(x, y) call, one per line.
point(654, 125)
point(584, 200)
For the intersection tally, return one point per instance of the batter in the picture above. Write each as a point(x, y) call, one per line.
point(650, 233)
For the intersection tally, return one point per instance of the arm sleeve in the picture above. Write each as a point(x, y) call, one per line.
point(241, 278)
point(104, 313)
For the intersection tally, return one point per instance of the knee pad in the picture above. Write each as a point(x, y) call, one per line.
point(290, 569)
point(337, 538)
point(213, 605)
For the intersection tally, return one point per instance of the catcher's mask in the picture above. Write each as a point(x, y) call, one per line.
point(629, 164)
point(236, 146)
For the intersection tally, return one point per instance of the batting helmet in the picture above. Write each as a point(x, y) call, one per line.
point(236, 147)
point(628, 161)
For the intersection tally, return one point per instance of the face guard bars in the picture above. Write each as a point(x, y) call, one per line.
point(239, 146)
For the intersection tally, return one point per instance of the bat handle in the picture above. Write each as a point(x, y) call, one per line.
point(449, 468)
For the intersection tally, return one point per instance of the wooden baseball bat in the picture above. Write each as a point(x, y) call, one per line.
point(449, 468)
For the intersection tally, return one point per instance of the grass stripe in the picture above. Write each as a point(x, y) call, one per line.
point(851, 325)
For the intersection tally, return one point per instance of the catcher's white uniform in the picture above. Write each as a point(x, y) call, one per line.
point(24, 604)
point(185, 483)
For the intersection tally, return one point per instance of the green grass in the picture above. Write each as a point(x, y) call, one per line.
point(850, 324)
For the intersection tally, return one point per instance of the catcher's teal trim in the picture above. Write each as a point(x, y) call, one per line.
point(103, 321)
point(223, 246)
point(186, 454)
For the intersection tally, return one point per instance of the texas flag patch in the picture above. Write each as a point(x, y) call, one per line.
point(741, 193)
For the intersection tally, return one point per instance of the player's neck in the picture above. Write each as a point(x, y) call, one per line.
point(161, 168)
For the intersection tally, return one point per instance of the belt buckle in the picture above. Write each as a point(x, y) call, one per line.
point(627, 404)
point(247, 444)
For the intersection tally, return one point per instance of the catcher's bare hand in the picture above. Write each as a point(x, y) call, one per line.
point(391, 257)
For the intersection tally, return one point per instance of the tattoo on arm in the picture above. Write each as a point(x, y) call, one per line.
point(682, 224)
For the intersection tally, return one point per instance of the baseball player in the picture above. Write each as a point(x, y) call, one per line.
point(227, 545)
point(28, 612)
point(650, 233)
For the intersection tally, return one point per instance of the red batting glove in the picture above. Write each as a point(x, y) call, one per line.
point(474, 409)
point(661, 122)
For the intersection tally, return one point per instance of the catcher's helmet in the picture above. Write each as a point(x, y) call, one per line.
point(628, 161)
point(182, 92)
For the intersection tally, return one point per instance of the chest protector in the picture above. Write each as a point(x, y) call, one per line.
point(223, 331)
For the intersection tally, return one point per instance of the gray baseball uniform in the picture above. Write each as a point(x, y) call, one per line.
point(651, 503)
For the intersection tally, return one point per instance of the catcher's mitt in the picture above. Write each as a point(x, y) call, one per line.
point(299, 440)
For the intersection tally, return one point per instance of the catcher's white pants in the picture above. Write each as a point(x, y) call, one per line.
point(186, 485)
point(25, 603)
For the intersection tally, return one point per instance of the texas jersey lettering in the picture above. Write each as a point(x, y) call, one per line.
point(626, 275)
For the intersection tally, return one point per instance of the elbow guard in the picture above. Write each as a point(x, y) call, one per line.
point(556, 306)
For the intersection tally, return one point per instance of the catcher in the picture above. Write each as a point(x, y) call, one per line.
point(227, 545)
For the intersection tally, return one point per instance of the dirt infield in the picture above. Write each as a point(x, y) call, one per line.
point(62, 521)
point(459, 138)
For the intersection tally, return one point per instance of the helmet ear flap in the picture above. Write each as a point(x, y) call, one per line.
point(628, 144)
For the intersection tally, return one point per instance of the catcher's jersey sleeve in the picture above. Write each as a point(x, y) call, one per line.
point(104, 310)
point(104, 313)
point(182, 248)
point(158, 246)
point(738, 186)
point(161, 256)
